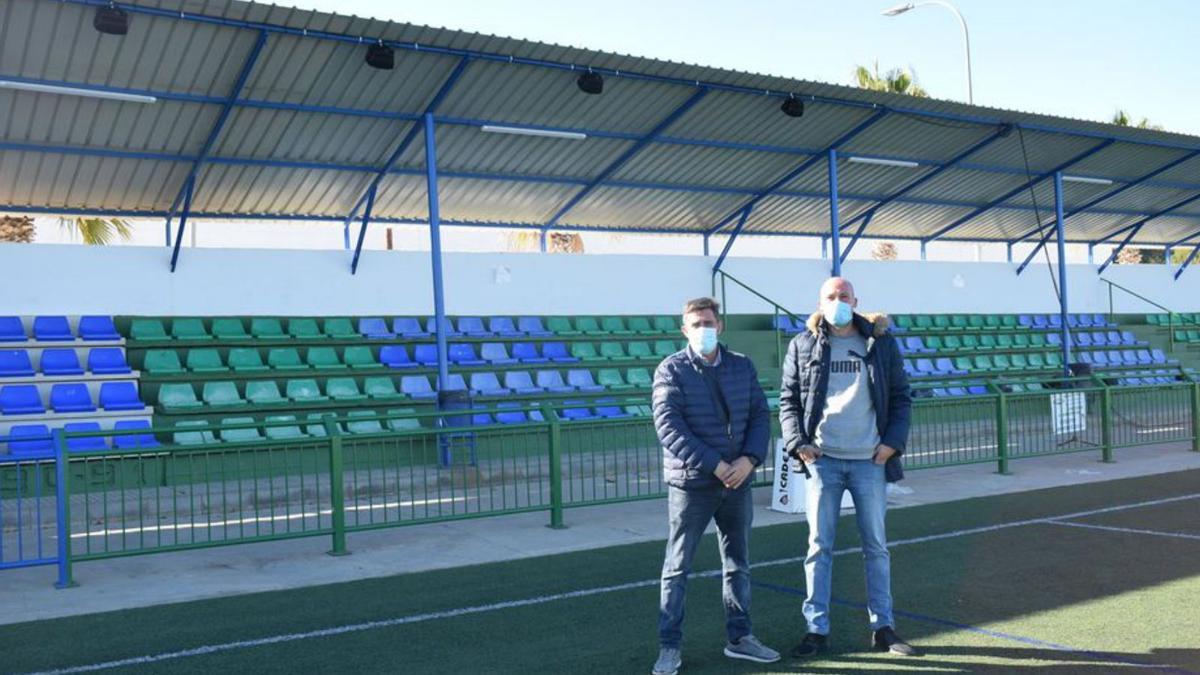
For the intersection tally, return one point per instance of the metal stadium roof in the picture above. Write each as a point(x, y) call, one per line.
point(276, 115)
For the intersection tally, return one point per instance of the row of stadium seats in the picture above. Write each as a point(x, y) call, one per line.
point(998, 363)
point(1187, 336)
point(34, 440)
point(977, 388)
point(59, 362)
point(929, 344)
point(973, 322)
point(72, 397)
point(58, 329)
point(1167, 320)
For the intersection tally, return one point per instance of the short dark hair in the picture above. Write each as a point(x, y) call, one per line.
point(701, 304)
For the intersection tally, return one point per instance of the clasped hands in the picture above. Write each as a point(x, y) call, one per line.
point(733, 475)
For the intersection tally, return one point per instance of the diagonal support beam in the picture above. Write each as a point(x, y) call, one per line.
point(620, 161)
point(857, 233)
point(362, 231)
point(732, 237)
point(1187, 262)
point(187, 210)
point(1017, 190)
point(1184, 240)
point(805, 166)
point(1117, 251)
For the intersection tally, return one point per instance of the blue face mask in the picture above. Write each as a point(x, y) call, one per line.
point(703, 340)
point(837, 313)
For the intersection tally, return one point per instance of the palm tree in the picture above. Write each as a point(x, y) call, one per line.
point(556, 242)
point(97, 231)
point(896, 81)
point(1122, 119)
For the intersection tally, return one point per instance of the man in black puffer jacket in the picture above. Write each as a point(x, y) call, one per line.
point(712, 419)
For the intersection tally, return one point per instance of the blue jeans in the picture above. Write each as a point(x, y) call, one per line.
point(868, 488)
point(690, 512)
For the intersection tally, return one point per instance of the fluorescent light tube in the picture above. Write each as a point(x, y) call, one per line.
point(1087, 179)
point(76, 91)
point(526, 131)
point(885, 162)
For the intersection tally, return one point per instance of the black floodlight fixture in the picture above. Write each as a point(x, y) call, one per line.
point(111, 20)
point(792, 106)
point(590, 83)
point(381, 56)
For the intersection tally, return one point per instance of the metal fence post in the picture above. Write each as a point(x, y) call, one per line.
point(1002, 433)
point(1106, 449)
point(337, 486)
point(62, 494)
point(556, 478)
point(1196, 416)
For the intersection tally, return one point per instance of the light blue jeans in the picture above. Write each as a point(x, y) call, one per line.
point(690, 512)
point(868, 488)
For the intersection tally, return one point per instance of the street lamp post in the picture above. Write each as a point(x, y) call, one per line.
point(900, 9)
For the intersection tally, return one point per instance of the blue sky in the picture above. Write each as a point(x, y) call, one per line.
point(1073, 58)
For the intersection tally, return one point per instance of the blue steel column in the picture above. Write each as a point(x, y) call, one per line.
point(188, 188)
point(834, 225)
point(706, 246)
point(362, 233)
point(435, 249)
point(1062, 270)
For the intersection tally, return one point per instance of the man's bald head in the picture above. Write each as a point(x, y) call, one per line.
point(838, 288)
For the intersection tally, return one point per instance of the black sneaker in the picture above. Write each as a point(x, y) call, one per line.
point(886, 640)
point(812, 645)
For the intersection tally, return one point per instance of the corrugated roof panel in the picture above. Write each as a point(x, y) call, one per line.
point(916, 137)
point(470, 149)
point(471, 200)
point(867, 180)
point(652, 209)
point(746, 118)
point(1043, 150)
point(300, 136)
point(692, 165)
point(66, 181)
point(265, 190)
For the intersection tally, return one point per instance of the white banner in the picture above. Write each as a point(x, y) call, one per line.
point(788, 491)
point(1068, 412)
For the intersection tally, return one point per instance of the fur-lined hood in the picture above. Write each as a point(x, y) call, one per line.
point(878, 320)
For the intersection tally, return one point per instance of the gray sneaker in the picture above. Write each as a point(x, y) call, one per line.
point(751, 649)
point(668, 661)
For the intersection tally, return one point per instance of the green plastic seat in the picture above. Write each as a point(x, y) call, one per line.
point(904, 321)
point(246, 360)
point(246, 435)
point(162, 362)
point(976, 321)
point(589, 326)
point(1152, 320)
point(222, 394)
point(614, 325)
point(315, 424)
point(1181, 335)
point(560, 325)
point(264, 392)
point(228, 328)
point(189, 329)
point(265, 328)
point(1002, 362)
point(179, 396)
point(360, 426)
point(1016, 388)
point(993, 322)
point(1034, 386)
point(1004, 341)
point(205, 361)
point(585, 351)
point(950, 343)
point(987, 341)
point(283, 433)
point(285, 358)
point(1009, 321)
point(305, 328)
point(1054, 359)
point(1037, 340)
point(147, 329)
point(1036, 360)
point(942, 322)
point(959, 322)
point(343, 389)
point(964, 363)
point(923, 322)
point(613, 350)
point(665, 348)
point(361, 357)
point(970, 342)
point(196, 432)
point(324, 358)
point(667, 324)
point(1020, 361)
point(381, 387)
point(1193, 335)
point(1021, 341)
point(402, 423)
point(640, 350)
point(341, 329)
point(984, 362)
point(611, 379)
point(935, 342)
point(640, 325)
point(304, 391)
point(639, 378)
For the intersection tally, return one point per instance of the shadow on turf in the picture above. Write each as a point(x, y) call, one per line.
point(1007, 659)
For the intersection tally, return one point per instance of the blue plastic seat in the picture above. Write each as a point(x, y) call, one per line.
point(20, 399)
point(1098, 359)
point(976, 389)
point(30, 440)
point(447, 327)
point(1158, 356)
point(511, 416)
point(939, 392)
point(582, 380)
point(464, 355)
point(521, 383)
point(495, 354)
point(1084, 320)
point(1114, 338)
point(108, 361)
point(98, 328)
point(61, 362)
point(576, 413)
point(1072, 321)
point(1098, 339)
point(87, 443)
point(1128, 338)
point(426, 355)
point(375, 329)
point(481, 419)
point(454, 383)
point(609, 411)
point(910, 369)
point(925, 366)
point(487, 384)
point(1144, 358)
point(503, 326)
point(1129, 357)
point(1055, 320)
point(552, 381)
point(532, 326)
point(52, 329)
point(12, 330)
point(417, 386)
point(1054, 340)
point(134, 440)
point(1114, 357)
point(472, 326)
point(915, 345)
point(409, 327)
point(527, 352)
point(15, 363)
point(1083, 339)
point(1039, 321)
point(120, 396)
point(395, 356)
point(1025, 321)
point(71, 397)
point(557, 352)
point(945, 366)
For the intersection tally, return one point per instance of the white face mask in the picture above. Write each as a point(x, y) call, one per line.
point(703, 340)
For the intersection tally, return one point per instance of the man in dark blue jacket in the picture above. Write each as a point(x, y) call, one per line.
point(712, 419)
point(844, 410)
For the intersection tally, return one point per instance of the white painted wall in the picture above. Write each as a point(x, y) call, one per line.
point(135, 280)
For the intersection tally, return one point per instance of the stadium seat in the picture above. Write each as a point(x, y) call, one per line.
point(472, 326)
point(551, 381)
point(937, 343)
point(609, 411)
point(963, 364)
point(639, 350)
point(447, 327)
point(324, 358)
point(640, 325)
point(162, 362)
point(283, 432)
point(303, 328)
point(189, 329)
point(993, 322)
point(614, 325)
point(576, 413)
point(588, 325)
point(1128, 338)
point(503, 326)
point(205, 361)
point(1093, 358)
point(381, 388)
point(178, 396)
point(969, 342)
point(1055, 320)
point(408, 327)
point(561, 325)
point(463, 354)
point(374, 329)
point(527, 352)
point(360, 357)
point(107, 361)
point(667, 324)
point(984, 363)
point(664, 348)
point(304, 391)
point(1129, 357)
point(582, 351)
point(913, 345)
point(610, 378)
point(417, 386)
point(84, 443)
point(343, 389)
point(222, 394)
point(363, 426)
point(910, 369)
point(613, 350)
point(147, 329)
point(945, 366)
point(1158, 356)
point(532, 326)
point(495, 354)
point(315, 424)
point(52, 329)
point(639, 378)
point(1144, 358)
point(71, 397)
point(192, 432)
point(340, 329)
point(1054, 340)
point(426, 355)
point(396, 422)
point(1114, 357)
point(1020, 362)
point(264, 392)
point(1085, 320)
point(1002, 362)
point(977, 389)
point(487, 384)
point(1084, 339)
point(229, 328)
point(582, 380)
point(521, 383)
point(12, 330)
point(15, 363)
point(510, 416)
point(21, 399)
point(924, 367)
point(1098, 338)
point(135, 440)
point(557, 352)
point(395, 356)
point(265, 328)
point(454, 383)
point(1099, 320)
point(94, 327)
point(987, 342)
point(241, 435)
point(30, 441)
point(285, 358)
point(246, 360)
point(120, 396)
point(1021, 341)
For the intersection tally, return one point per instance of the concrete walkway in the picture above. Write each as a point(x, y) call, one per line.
point(28, 594)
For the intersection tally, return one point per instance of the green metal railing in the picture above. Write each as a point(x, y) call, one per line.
point(1173, 318)
point(776, 309)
